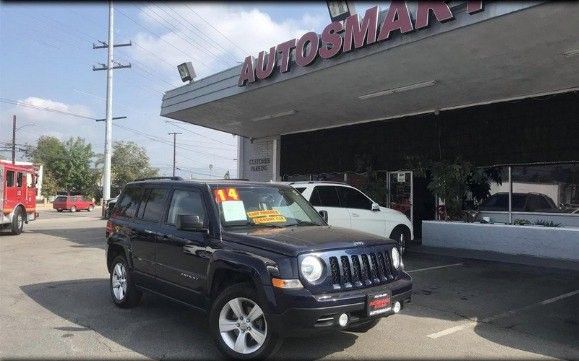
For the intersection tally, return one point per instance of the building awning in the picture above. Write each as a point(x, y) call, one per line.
point(507, 51)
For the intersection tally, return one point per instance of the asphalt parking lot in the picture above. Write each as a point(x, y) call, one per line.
point(54, 302)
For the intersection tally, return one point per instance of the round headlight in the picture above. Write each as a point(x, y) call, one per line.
point(395, 258)
point(311, 268)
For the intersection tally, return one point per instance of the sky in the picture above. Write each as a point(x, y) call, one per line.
point(47, 57)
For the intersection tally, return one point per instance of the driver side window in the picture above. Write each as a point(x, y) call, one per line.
point(186, 202)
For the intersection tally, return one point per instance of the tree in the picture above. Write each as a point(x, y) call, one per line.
point(129, 162)
point(67, 166)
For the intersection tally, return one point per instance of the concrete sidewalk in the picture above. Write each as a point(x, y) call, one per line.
point(494, 256)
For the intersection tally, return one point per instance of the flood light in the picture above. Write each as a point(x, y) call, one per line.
point(186, 71)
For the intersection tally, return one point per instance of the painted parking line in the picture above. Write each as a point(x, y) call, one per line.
point(473, 323)
point(435, 267)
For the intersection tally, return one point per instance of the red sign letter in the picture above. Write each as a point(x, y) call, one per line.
point(358, 33)
point(331, 40)
point(398, 18)
point(262, 72)
point(304, 55)
point(440, 10)
point(285, 50)
point(247, 72)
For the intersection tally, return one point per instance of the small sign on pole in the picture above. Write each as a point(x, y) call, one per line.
point(401, 177)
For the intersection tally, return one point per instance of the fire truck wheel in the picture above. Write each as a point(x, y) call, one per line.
point(17, 221)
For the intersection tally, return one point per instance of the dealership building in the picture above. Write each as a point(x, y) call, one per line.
point(494, 84)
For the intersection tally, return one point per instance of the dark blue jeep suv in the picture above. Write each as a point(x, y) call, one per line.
point(256, 257)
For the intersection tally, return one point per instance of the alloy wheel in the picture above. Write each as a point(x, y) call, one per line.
point(242, 325)
point(119, 281)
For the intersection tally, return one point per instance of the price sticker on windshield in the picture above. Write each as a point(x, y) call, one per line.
point(225, 194)
point(266, 216)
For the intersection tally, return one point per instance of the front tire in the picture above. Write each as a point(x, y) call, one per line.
point(17, 222)
point(240, 326)
point(123, 290)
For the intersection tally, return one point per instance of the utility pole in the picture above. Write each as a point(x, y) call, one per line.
point(174, 150)
point(109, 67)
point(14, 139)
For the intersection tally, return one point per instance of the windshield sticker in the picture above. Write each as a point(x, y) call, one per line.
point(268, 212)
point(233, 211)
point(225, 194)
point(269, 219)
point(266, 216)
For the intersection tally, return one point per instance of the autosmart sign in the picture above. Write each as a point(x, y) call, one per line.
point(342, 37)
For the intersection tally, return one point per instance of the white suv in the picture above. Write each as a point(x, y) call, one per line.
point(348, 207)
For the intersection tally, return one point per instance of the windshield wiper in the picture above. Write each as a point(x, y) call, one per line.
point(299, 222)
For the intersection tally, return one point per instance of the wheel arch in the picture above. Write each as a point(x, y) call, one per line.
point(229, 268)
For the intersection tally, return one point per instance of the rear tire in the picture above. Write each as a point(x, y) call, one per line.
point(17, 221)
point(59, 210)
point(240, 330)
point(364, 327)
point(123, 290)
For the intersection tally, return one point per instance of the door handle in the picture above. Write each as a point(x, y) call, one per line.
point(355, 215)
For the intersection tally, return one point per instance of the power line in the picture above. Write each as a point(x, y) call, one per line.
point(162, 39)
point(210, 41)
point(214, 28)
point(193, 132)
point(27, 105)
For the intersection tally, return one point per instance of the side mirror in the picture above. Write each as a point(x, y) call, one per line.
point(375, 207)
point(324, 215)
point(189, 222)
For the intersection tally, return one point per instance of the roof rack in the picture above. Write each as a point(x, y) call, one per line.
point(158, 178)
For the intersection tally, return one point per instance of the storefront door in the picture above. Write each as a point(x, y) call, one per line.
point(400, 192)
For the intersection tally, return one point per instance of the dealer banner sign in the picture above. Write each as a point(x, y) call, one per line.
point(342, 37)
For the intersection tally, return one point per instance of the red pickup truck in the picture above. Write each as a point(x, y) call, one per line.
point(72, 203)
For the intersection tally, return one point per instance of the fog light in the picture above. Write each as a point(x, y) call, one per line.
point(343, 320)
point(397, 307)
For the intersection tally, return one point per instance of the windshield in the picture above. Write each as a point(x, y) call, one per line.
point(263, 206)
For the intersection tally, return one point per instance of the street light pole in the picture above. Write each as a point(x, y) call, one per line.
point(109, 110)
point(14, 139)
point(174, 150)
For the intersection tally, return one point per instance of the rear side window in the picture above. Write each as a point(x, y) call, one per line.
point(153, 202)
point(19, 179)
point(186, 202)
point(352, 198)
point(301, 189)
point(60, 199)
point(325, 196)
point(10, 178)
point(129, 203)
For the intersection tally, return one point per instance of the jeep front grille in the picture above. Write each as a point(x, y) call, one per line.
point(361, 270)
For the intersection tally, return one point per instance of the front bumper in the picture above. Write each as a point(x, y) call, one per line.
point(324, 310)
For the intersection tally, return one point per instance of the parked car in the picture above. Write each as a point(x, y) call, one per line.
point(110, 205)
point(348, 207)
point(522, 202)
point(72, 203)
point(257, 257)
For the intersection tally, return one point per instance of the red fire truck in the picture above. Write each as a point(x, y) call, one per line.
point(17, 195)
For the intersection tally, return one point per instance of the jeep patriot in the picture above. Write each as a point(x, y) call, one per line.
point(255, 257)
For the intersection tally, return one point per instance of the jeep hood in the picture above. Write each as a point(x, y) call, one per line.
point(293, 241)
